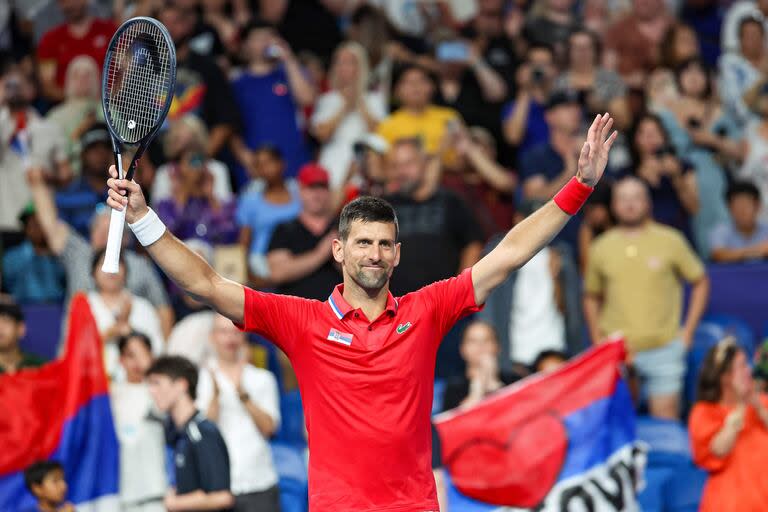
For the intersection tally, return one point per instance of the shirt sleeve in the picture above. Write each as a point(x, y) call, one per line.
point(279, 318)
point(451, 299)
point(280, 239)
point(718, 239)
point(213, 460)
point(204, 391)
point(704, 424)
point(687, 264)
point(328, 105)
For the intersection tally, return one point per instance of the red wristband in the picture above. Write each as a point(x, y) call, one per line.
point(572, 196)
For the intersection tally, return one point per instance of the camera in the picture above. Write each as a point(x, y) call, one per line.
point(272, 52)
point(537, 75)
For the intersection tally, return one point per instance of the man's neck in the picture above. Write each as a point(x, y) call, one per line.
point(95, 183)
point(373, 302)
point(183, 411)
point(315, 223)
point(44, 506)
point(261, 67)
point(416, 110)
point(634, 229)
point(10, 359)
point(80, 27)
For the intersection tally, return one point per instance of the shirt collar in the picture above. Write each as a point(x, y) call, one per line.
point(341, 307)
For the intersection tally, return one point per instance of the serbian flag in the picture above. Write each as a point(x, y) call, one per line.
point(61, 412)
point(554, 442)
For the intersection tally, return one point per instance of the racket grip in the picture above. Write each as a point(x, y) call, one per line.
point(114, 242)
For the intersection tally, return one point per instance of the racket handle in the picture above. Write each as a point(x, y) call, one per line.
point(114, 242)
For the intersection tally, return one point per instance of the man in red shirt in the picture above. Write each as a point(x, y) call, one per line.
point(364, 359)
point(80, 34)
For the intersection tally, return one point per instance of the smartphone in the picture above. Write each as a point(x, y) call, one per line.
point(453, 51)
point(272, 52)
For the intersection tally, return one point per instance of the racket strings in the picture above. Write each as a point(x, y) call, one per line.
point(139, 81)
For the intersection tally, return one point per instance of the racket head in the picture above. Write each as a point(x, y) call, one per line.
point(138, 81)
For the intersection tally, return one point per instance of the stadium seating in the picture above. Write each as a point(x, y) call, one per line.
point(736, 327)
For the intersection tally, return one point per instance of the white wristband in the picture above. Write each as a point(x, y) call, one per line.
point(148, 229)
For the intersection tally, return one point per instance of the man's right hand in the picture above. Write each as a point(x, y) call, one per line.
point(126, 194)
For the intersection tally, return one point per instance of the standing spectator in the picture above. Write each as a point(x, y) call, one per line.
point(201, 87)
point(26, 140)
point(679, 45)
point(538, 307)
point(143, 481)
point(31, 272)
point(200, 455)
point(549, 360)
point(633, 285)
point(76, 201)
point(299, 255)
point(599, 89)
point(12, 329)
point(76, 253)
point(744, 238)
point(553, 25)
point(524, 123)
point(439, 223)
point(118, 313)
point(243, 402)
point(480, 351)
point(269, 93)
point(632, 43)
point(597, 220)
point(736, 13)
point(755, 144)
point(80, 34)
point(292, 17)
point(417, 116)
point(260, 211)
point(346, 112)
point(729, 431)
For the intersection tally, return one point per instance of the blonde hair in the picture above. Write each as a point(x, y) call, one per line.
point(363, 67)
point(173, 143)
point(90, 69)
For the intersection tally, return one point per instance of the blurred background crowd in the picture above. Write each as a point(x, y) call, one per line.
point(467, 115)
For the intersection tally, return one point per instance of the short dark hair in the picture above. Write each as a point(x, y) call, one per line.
point(122, 341)
point(271, 150)
point(11, 309)
point(546, 354)
point(738, 188)
point(367, 209)
point(402, 69)
point(98, 255)
point(540, 46)
point(255, 24)
point(177, 367)
point(36, 473)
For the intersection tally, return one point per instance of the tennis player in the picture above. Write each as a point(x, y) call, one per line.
point(365, 359)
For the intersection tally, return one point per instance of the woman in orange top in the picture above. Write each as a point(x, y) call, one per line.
point(729, 433)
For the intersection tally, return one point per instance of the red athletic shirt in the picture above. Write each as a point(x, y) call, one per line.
point(366, 387)
point(60, 46)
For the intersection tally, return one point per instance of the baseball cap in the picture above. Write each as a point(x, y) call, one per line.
point(11, 309)
point(564, 97)
point(95, 134)
point(312, 174)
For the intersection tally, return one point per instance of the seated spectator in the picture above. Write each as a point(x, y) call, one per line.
point(299, 256)
point(75, 203)
point(599, 89)
point(673, 186)
point(680, 44)
point(13, 329)
point(633, 285)
point(755, 145)
point(243, 402)
point(740, 71)
point(480, 351)
point(269, 93)
point(437, 222)
point(537, 308)
point(597, 220)
point(632, 43)
point(200, 457)
point(202, 88)
point(259, 212)
point(744, 238)
point(76, 253)
point(46, 481)
point(417, 116)
point(118, 313)
point(143, 482)
point(548, 361)
point(736, 13)
point(31, 273)
point(81, 107)
point(80, 34)
point(552, 26)
point(525, 125)
point(729, 431)
point(347, 112)
point(184, 133)
point(26, 140)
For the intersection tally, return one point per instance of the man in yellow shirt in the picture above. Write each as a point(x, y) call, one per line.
point(417, 117)
point(633, 285)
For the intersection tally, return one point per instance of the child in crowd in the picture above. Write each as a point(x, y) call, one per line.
point(45, 480)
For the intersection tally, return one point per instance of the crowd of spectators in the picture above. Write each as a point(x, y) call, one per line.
point(465, 115)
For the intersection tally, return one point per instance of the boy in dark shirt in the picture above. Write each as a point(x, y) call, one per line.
point(199, 453)
point(45, 480)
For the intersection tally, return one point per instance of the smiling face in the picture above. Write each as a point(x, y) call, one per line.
point(369, 254)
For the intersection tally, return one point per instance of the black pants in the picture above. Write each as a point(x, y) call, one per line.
point(262, 501)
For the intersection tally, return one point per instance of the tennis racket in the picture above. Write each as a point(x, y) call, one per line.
point(137, 87)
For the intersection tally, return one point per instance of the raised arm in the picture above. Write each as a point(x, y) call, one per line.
point(187, 269)
point(537, 230)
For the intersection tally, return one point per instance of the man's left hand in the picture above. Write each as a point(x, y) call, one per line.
point(594, 152)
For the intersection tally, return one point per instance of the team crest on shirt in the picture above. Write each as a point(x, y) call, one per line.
point(344, 338)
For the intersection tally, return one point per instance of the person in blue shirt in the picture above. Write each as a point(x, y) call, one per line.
point(269, 93)
point(76, 203)
point(745, 238)
point(31, 272)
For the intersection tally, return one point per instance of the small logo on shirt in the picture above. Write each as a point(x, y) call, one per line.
point(280, 89)
point(403, 327)
point(340, 337)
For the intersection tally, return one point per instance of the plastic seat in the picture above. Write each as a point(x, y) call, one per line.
point(651, 498)
point(291, 468)
point(683, 492)
point(291, 429)
point(437, 396)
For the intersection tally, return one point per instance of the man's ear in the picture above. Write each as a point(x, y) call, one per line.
point(397, 253)
point(337, 247)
